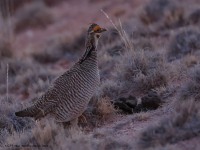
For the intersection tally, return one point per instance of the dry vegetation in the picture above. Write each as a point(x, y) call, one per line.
point(150, 76)
point(34, 15)
point(182, 125)
point(5, 49)
point(184, 42)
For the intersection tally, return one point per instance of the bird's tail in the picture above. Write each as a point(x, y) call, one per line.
point(32, 111)
point(35, 111)
point(28, 112)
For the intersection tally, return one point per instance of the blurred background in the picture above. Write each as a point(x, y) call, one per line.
point(32, 24)
point(50, 34)
point(151, 54)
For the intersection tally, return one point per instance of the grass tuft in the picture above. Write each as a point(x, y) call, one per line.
point(34, 15)
point(194, 17)
point(184, 42)
point(191, 89)
point(141, 72)
point(184, 124)
point(5, 50)
point(167, 13)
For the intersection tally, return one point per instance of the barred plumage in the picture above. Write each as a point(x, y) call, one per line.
point(68, 97)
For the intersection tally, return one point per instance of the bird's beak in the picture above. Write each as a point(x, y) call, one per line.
point(103, 30)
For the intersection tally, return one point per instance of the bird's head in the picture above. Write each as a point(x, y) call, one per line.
point(95, 31)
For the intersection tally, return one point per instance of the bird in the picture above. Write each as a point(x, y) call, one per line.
point(68, 96)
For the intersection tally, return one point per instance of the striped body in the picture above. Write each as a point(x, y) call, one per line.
point(75, 88)
point(68, 96)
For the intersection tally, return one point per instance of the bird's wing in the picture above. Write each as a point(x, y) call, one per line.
point(49, 100)
point(66, 80)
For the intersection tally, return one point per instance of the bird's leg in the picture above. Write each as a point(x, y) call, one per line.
point(74, 123)
point(71, 124)
point(66, 124)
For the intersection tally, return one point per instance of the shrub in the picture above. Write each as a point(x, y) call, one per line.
point(9, 123)
point(108, 57)
point(191, 89)
point(48, 135)
point(115, 49)
point(141, 71)
point(33, 15)
point(194, 17)
point(184, 42)
point(105, 108)
point(24, 78)
point(110, 89)
point(143, 44)
point(191, 60)
point(183, 124)
point(167, 13)
point(99, 111)
point(5, 50)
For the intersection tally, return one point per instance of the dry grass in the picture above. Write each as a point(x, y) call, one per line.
point(194, 17)
point(50, 136)
point(109, 89)
point(191, 89)
point(182, 125)
point(5, 50)
point(105, 107)
point(184, 42)
point(191, 60)
point(34, 15)
point(140, 72)
point(167, 13)
point(24, 78)
point(122, 33)
point(9, 123)
point(133, 61)
point(98, 112)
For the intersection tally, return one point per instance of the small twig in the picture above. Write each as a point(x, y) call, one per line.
point(120, 33)
point(124, 37)
point(110, 19)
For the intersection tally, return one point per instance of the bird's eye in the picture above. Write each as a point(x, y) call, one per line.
point(98, 36)
point(97, 29)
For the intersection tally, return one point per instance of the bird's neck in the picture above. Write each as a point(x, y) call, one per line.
point(91, 45)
